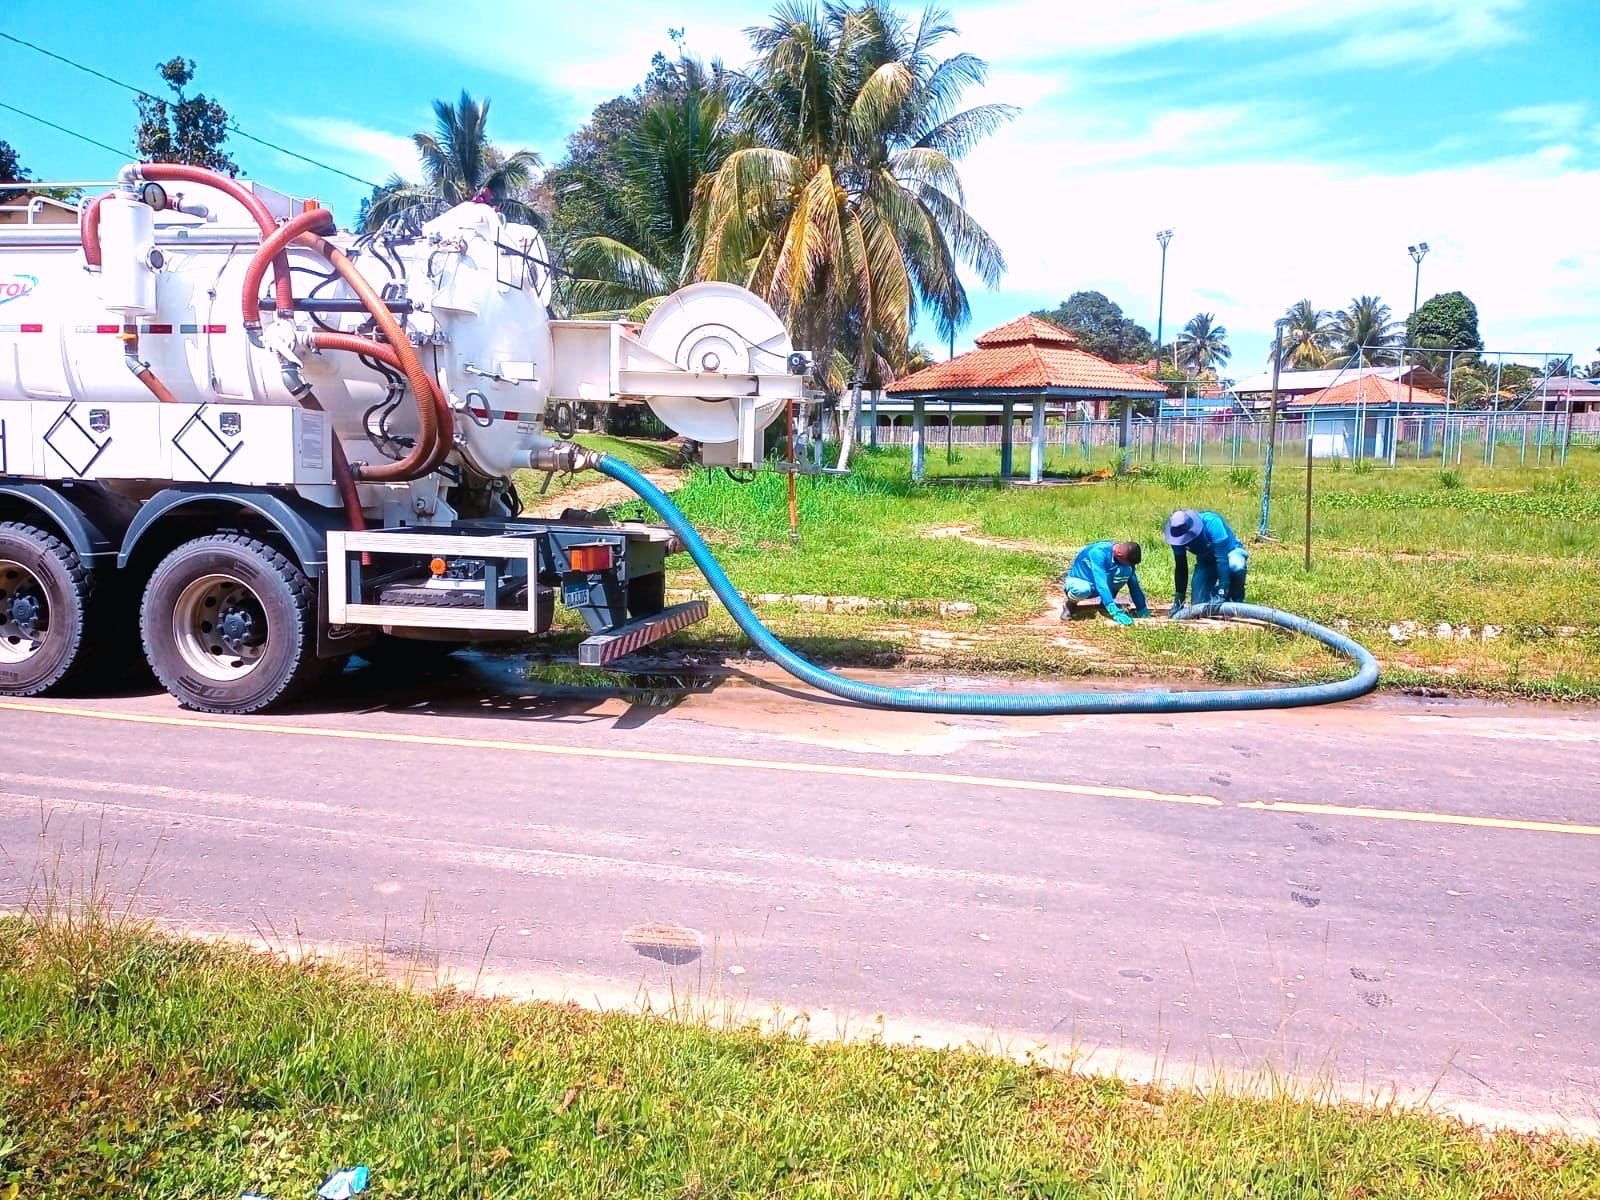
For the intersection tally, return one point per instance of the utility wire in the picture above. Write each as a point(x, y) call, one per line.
point(140, 92)
point(122, 153)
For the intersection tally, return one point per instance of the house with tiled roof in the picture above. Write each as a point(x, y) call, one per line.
point(1372, 407)
point(1024, 362)
point(1256, 390)
point(1572, 394)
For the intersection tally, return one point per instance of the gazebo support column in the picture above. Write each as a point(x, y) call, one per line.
point(918, 453)
point(1036, 451)
point(1007, 415)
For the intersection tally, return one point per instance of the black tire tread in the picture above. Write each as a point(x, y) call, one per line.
point(307, 669)
point(83, 586)
point(416, 597)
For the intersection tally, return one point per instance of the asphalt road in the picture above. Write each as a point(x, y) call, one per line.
point(1391, 894)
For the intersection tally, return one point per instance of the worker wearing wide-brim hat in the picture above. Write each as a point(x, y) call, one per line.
point(1220, 560)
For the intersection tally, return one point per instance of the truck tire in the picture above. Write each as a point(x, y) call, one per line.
point(46, 610)
point(230, 625)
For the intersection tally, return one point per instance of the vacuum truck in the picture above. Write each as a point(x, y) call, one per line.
point(243, 445)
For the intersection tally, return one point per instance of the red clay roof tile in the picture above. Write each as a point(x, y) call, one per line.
point(1027, 354)
point(1367, 390)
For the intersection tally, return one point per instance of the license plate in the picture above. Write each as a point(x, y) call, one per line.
point(575, 592)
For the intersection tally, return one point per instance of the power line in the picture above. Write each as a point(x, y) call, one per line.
point(122, 153)
point(140, 92)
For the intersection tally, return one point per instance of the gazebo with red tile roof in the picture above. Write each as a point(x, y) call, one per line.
point(1027, 360)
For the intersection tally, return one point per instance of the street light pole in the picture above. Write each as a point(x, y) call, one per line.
point(1272, 428)
point(1418, 253)
point(1125, 431)
point(1164, 237)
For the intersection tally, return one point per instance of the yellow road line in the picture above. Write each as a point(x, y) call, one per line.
point(1423, 817)
point(614, 755)
point(798, 768)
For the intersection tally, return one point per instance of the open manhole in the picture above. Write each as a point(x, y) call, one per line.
point(665, 942)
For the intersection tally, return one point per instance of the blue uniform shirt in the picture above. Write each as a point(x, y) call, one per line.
point(1095, 565)
point(1211, 550)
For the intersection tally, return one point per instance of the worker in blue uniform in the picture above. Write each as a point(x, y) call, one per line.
point(1100, 571)
point(1220, 561)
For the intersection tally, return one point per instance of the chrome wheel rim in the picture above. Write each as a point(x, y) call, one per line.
point(220, 627)
point(24, 613)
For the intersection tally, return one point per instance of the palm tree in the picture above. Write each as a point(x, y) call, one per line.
point(459, 163)
point(1203, 345)
point(638, 244)
point(1307, 335)
point(846, 211)
point(1366, 333)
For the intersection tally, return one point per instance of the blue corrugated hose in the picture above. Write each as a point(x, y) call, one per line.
point(1020, 703)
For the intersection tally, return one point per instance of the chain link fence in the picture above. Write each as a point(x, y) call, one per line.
point(1485, 438)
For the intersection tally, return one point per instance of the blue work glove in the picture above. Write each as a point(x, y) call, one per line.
point(1120, 617)
point(1141, 611)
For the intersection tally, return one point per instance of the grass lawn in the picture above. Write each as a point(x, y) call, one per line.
point(131, 1065)
point(1513, 551)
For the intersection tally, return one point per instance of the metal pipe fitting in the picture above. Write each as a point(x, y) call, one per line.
point(562, 456)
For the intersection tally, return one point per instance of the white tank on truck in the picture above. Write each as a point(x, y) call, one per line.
point(269, 444)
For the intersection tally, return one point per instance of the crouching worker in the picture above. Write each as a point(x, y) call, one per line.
point(1220, 561)
point(1098, 573)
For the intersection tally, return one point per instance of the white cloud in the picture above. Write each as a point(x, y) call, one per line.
point(588, 51)
point(1549, 121)
point(1431, 33)
point(367, 149)
point(1390, 30)
point(1265, 233)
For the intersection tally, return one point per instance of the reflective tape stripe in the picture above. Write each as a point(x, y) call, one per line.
point(21, 328)
point(141, 330)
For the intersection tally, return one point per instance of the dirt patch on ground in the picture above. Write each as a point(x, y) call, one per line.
point(964, 533)
point(601, 494)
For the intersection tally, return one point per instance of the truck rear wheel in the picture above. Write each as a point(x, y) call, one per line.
point(45, 594)
point(229, 625)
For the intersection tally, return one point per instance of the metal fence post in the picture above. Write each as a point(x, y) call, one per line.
point(1308, 504)
point(1272, 430)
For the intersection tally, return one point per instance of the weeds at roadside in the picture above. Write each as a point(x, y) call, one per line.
point(220, 1069)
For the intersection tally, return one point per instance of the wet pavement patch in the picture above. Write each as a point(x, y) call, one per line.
point(652, 689)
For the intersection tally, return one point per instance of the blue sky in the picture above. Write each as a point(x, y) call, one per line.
point(1296, 146)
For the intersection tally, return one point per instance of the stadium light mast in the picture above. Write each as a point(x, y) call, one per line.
point(1418, 253)
point(1164, 237)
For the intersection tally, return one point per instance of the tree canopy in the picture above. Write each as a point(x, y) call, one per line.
point(186, 129)
point(628, 189)
point(1308, 335)
point(1101, 327)
point(1203, 344)
point(1448, 321)
point(459, 163)
point(1366, 333)
point(844, 207)
point(11, 169)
